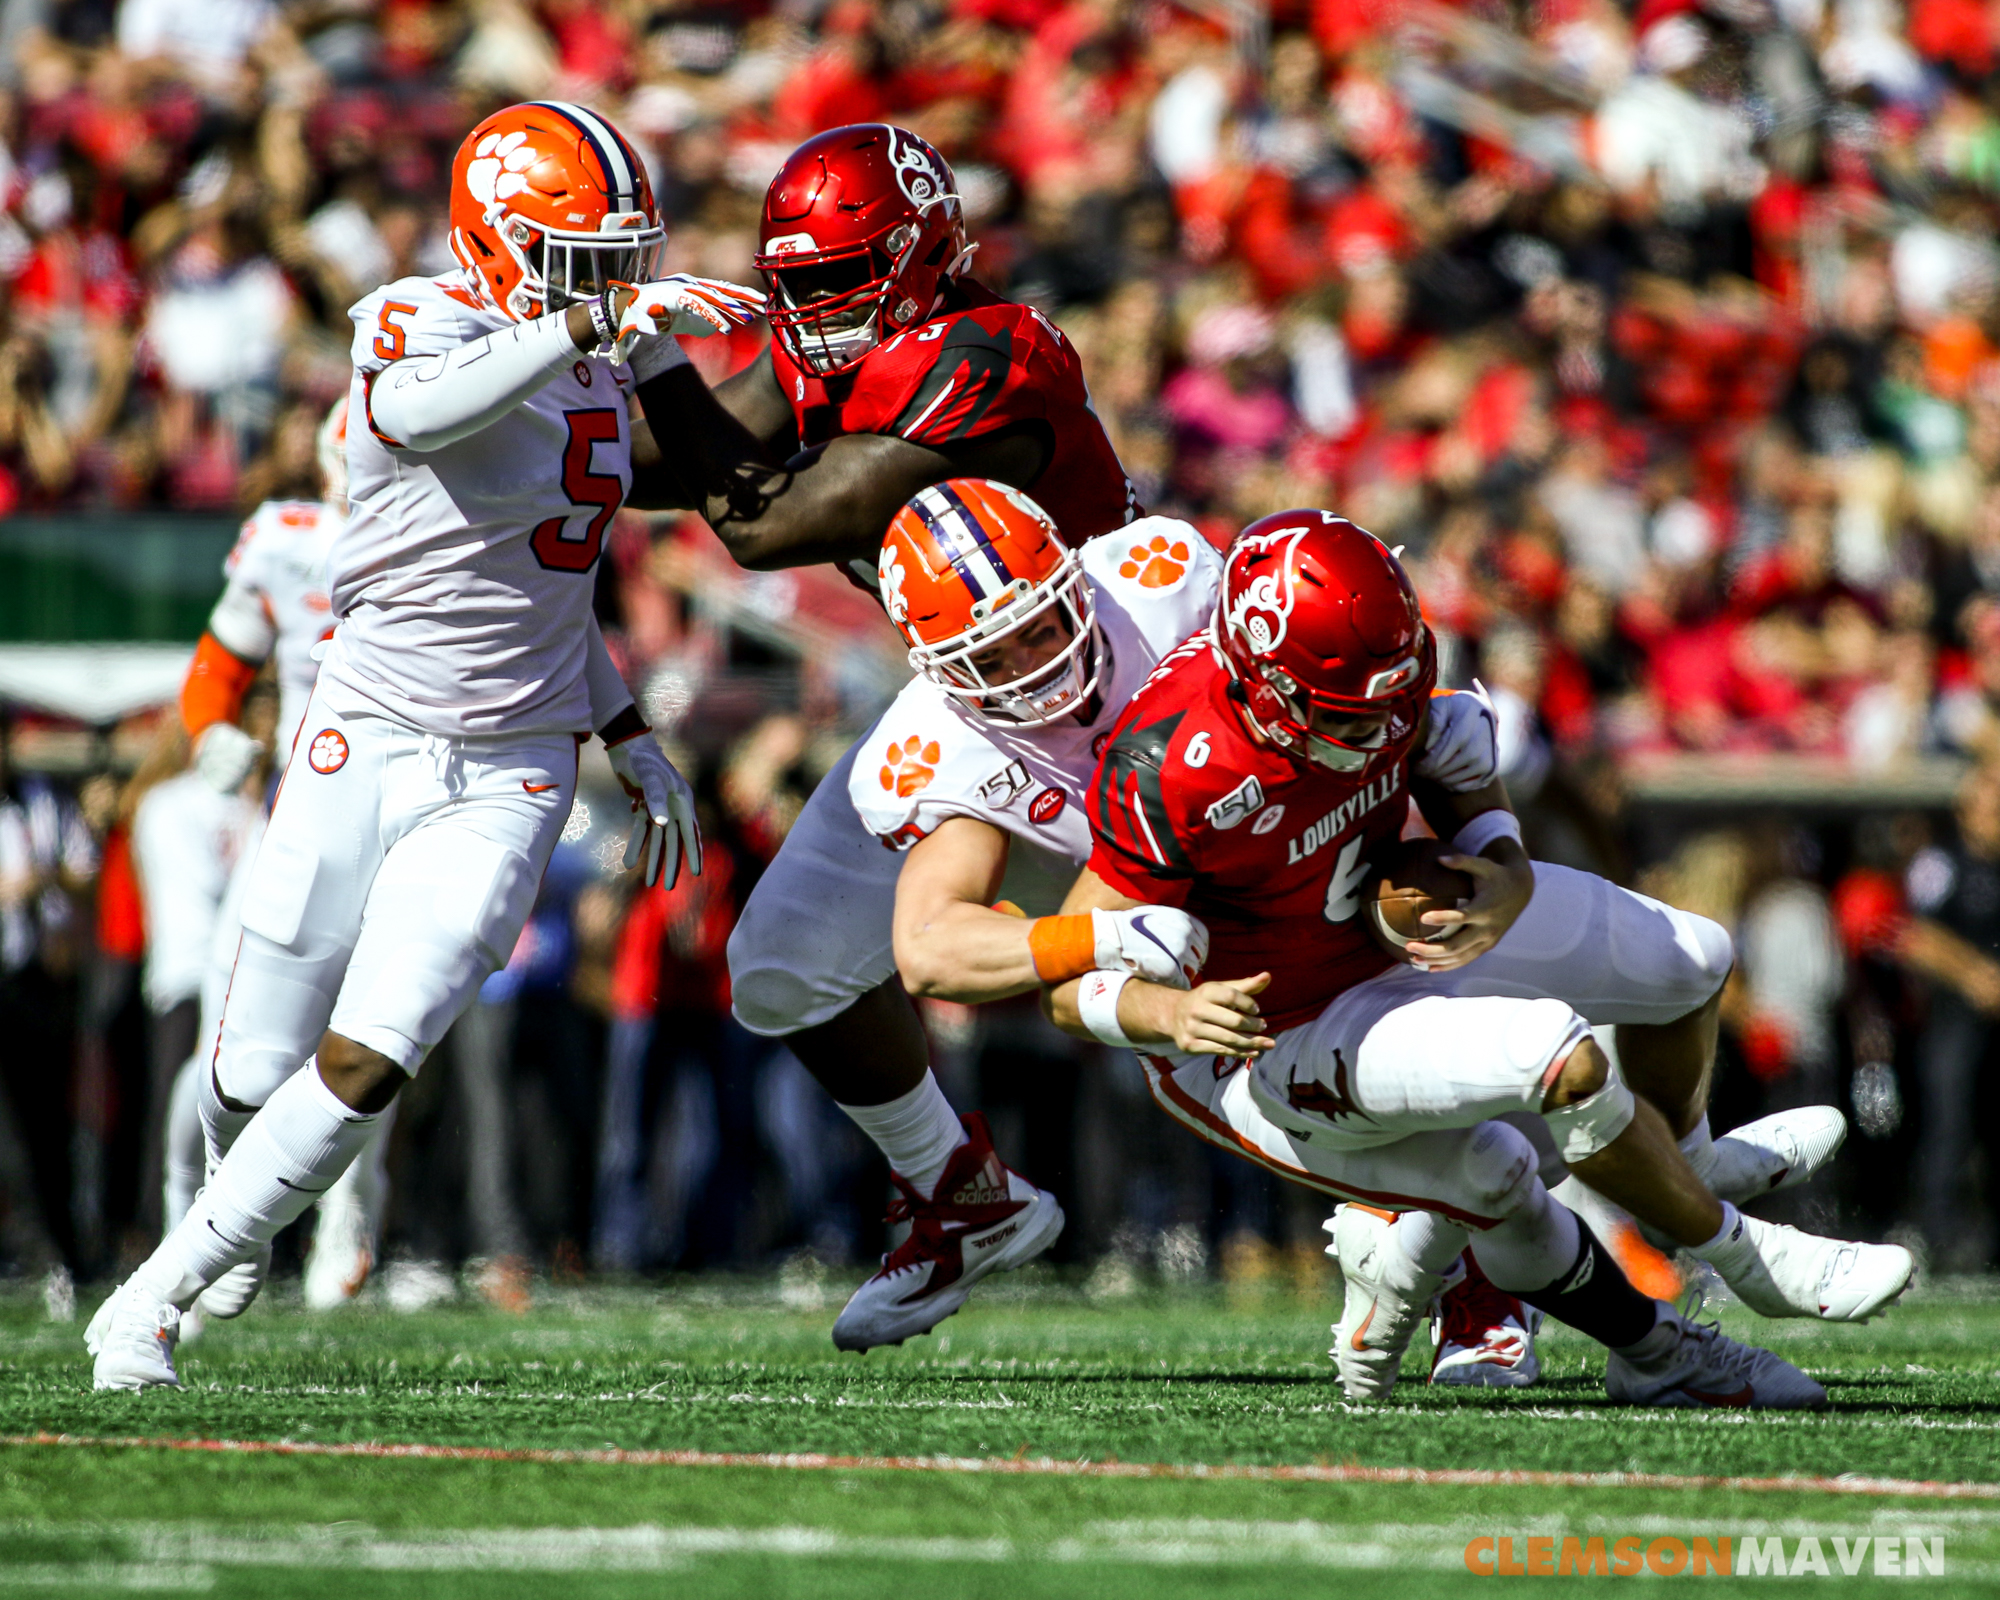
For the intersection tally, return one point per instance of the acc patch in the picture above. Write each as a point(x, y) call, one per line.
point(1047, 806)
point(328, 751)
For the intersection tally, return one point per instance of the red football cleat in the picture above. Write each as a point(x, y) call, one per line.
point(983, 1218)
point(1484, 1336)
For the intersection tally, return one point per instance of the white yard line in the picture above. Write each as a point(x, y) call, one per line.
point(809, 1461)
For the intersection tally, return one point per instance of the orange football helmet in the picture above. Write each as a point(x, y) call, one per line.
point(970, 563)
point(550, 205)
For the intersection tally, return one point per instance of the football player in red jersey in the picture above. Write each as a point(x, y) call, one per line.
point(889, 372)
point(1249, 783)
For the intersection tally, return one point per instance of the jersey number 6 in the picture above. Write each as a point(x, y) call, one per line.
point(553, 547)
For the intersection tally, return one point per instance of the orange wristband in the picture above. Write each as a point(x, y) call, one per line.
point(216, 682)
point(1063, 947)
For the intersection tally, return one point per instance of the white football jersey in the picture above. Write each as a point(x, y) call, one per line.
point(931, 757)
point(462, 581)
point(275, 603)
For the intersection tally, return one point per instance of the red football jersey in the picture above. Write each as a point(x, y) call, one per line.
point(1271, 853)
point(977, 368)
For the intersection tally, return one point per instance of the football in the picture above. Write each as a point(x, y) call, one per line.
point(1411, 882)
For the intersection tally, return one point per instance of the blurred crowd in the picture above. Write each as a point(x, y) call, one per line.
point(1662, 336)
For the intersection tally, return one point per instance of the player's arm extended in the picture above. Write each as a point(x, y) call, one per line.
point(829, 504)
point(951, 942)
point(424, 403)
point(1495, 861)
point(1211, 1019)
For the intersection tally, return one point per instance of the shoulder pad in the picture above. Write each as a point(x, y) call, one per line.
point(963, 378)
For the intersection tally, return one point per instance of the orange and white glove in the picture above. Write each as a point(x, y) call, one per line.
point(684, 304)
point(664, 830)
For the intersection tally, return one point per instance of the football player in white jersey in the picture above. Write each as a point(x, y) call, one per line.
point(274, 607)
point(436, 764)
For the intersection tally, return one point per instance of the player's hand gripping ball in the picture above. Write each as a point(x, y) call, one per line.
point(684, 304)
point(1414, 880)
point(664, 830)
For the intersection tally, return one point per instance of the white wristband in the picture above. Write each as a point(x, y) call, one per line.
point(1097, 1004)
point(1482, 830)
point(657, 355)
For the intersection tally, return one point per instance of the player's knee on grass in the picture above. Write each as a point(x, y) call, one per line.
point(1501, 1167)
point(1587, 1105)
point(364, 1080)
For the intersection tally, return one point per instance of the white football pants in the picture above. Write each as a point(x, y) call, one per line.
point(1377, 1099)
point(395, 876)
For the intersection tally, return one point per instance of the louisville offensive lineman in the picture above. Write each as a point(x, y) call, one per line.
point(1250, 783)
point(437, 761)
point(889, 370)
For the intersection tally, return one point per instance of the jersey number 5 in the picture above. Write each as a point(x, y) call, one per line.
point(554, 547)
point(389, 342)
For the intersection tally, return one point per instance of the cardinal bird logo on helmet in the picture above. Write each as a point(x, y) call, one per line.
point(1262, 610)
point(1317, 620)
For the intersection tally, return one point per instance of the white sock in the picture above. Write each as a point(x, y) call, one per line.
point(1733, 1250)
point(186, 1147)
point(917, 1132)
point(1428, 1242)
point(1532, 1248)
point(290, 1153)
point(365, 1183)
point(1699, 1148)
point(220, 1126)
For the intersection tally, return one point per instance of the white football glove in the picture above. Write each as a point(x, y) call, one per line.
point(683, 304)
point(1462, 750)
point(664, 831)
point(1156, 943)
point(224, 755)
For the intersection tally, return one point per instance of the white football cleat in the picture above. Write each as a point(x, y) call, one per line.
point(1795, 1274)
point(133, 1337)
point(230, 1295)
point(1774, 1152)
point(1484, 1337)
point(983, 1218)
point(1704, 1367)
point(342, 1255)
point(1386, 1296)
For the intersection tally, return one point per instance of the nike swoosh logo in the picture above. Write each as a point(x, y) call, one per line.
point(1140, 924)
point(1354, 1338)
point(1742, 1397)
point(538, 788)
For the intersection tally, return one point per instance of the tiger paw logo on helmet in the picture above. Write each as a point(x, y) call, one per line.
point(498, 161)
point(891, 575)
point(1157, 564)
point(909, 766)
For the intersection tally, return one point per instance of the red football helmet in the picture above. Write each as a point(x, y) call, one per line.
point(550, 205)
point(862, 229)
point(1316, 613)
point(970, 563)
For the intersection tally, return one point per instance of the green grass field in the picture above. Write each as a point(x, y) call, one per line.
point(1032, 1371)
